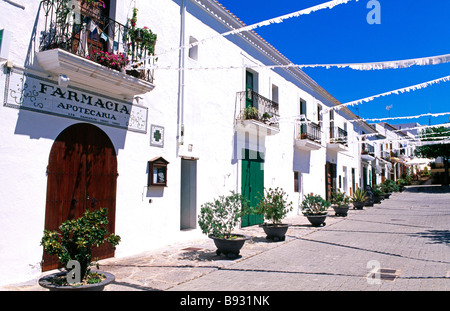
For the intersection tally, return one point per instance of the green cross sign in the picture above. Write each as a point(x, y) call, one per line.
point(157, 135)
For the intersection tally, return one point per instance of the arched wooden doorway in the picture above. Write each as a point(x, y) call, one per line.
point(82, 173)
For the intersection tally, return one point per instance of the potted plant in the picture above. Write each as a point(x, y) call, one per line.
point(315, 208)
point(339, 202)
point(359, 199)
point(251, 113)
point(142, 42)
point(389, 186)
point(75, 241)
point(91, 8)
point(217, 220)
point(378, 194)
point(274, 206)
point(401, 183)
point(266, 117)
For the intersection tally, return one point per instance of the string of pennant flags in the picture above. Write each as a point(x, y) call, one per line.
point(280, 19)
point(383, 65)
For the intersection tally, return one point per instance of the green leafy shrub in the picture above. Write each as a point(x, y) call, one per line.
point(377, 191)
point(339, 198)
point(314, 205)
point(76, 239)
point(219, 217)
point(251, 113)
point(274, 205)
point(389, 186)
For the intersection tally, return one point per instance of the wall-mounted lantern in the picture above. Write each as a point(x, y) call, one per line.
point(157, 175)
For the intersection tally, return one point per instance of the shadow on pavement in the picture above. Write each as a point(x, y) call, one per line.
point(428, 189)
point(436, 236)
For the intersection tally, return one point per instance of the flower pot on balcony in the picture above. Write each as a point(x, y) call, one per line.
point(90, 9)
point(138, 36)
point(136, 73)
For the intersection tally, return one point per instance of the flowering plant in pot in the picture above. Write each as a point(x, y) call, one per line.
point(74, 241)
point(218, 219)
point(315, 208)
point(110, 60)
point(339, 202)
point(142, 40)
point(274, 206)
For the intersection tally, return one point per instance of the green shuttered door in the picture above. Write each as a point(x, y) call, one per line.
point(252, 184)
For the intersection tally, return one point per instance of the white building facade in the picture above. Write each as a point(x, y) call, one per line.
point(153, 148)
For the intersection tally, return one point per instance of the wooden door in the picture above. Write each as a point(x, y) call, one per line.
point(82, 173)
point(252, 185)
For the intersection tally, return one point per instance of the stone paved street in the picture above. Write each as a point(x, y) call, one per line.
point(407, 235)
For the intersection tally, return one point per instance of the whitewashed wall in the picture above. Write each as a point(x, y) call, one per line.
point(209, 112)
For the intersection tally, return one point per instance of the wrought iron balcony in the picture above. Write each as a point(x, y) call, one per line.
point(338, 135)
point(88, 34)
point(309, 131)
point(367, 149)
point(258, 108)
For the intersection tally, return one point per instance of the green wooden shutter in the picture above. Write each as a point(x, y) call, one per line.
point(252, 184)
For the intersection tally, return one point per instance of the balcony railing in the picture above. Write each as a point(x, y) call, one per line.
point(338, 135)
point(258, 108)
point(367, 149)
point(309, 131)
point(89, 34)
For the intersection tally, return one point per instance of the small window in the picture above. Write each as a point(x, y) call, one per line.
point(319, 113)
point(193, 51)
point(297, 182)
point(275, 94)
point(303, 107)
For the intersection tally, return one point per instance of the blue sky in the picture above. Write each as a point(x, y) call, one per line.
point(408, 29)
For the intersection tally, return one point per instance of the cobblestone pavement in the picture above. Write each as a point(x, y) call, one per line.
point(406, 236)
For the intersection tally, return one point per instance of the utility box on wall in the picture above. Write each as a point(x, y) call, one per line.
point(157, 174)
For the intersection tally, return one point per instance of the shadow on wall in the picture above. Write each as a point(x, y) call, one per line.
point(45, 109)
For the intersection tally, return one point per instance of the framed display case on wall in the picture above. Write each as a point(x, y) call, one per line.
point(157, 175)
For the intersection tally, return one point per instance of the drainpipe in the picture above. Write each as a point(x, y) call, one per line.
point(180, 124)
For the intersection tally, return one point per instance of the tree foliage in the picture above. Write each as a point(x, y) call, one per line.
point(436, 150)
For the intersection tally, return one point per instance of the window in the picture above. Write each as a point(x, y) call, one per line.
point(303, 107)
point(275, 93)
point(319, 113)
point(193, 51)
point(297, 182)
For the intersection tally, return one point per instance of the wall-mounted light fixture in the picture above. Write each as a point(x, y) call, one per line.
point(63, 81)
